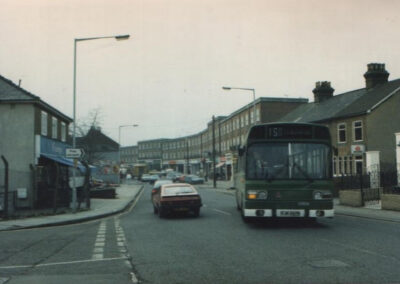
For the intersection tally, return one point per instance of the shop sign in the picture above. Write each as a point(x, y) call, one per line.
point(357, 149)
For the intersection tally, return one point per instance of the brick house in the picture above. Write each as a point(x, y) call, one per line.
point(362, 122)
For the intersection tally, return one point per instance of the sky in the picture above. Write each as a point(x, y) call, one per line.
point(168, 76)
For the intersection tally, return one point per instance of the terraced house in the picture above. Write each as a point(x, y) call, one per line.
point(362, 122)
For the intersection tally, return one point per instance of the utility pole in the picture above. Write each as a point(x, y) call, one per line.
point(213, 152)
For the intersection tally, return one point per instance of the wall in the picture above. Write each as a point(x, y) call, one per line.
point(17, 144)
point(382, 124)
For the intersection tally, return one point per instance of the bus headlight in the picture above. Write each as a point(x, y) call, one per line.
point(257, 195)
point(262, 195)
point(320, 195)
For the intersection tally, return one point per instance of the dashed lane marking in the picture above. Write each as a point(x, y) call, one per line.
point(222, 212)
point(98, 250)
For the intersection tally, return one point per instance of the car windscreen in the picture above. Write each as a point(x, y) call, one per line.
point(177, 190)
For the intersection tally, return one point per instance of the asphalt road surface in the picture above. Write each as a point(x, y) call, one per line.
point(216, 247)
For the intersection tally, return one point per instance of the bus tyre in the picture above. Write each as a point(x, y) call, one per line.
point(245, 219)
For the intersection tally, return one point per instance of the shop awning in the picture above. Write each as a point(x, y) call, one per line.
point(64, 161)
point(220, 165)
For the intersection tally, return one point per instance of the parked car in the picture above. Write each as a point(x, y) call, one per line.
point(176, 197)
point(145, 178)
point(193, 179)
point(153, 178)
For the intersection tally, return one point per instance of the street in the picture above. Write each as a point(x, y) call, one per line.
point(217, 247)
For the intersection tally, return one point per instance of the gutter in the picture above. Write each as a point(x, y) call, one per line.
point(383, 100)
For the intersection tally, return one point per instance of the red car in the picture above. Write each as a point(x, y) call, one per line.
point(176, 197)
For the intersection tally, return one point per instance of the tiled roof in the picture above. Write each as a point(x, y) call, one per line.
point(10, 92)
point(344, 105)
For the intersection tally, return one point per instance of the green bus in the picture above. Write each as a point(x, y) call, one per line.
point(285, 170)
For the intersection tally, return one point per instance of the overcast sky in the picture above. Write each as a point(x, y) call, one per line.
point(168, 76)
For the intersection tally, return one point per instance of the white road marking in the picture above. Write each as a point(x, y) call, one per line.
point(133, 278)
point(63, 263)
point(222, 212)
point(98, 250)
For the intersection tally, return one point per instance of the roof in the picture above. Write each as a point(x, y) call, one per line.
point(348, 104)
point(11, 93)
point(264, 100)
point(97, 141)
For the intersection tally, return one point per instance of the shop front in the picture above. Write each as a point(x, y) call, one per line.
point(53, 174)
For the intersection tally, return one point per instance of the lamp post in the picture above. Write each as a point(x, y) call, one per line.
point(254, 98)
point(119, 139)
point(76, 40)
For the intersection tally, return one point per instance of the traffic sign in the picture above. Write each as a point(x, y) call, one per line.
point(74, 153)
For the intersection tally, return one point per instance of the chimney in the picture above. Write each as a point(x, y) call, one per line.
point(375, 75)
point(323, 91)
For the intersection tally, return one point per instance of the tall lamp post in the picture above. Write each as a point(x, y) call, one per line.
point(76, 40)
point(254, 98)
point(119, 139)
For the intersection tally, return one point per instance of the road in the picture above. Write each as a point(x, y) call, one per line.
point(217, 247)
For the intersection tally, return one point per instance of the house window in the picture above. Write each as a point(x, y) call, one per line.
point(342, 133)
point(63, 131)
point(258, 114)
point(357, 128)
point(359, 164)
point(44, 123)
point(54, 128)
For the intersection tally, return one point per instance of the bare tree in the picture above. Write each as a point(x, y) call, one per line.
point(93, 119)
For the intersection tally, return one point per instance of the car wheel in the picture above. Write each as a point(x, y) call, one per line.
point(196, 212)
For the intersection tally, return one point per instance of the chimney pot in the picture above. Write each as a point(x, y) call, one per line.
point(323, 91)
point(376, 74)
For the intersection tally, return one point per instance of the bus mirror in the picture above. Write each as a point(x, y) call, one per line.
point(241, 150)
point(335, 151)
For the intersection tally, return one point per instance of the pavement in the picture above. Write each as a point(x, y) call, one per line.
point(128, 193)
point(371, 210)
point(100, 208)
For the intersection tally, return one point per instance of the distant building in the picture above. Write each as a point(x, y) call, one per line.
point(102, 152)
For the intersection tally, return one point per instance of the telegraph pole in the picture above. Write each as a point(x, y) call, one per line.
point(213, 152)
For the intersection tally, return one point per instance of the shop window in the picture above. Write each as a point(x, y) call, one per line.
point(342, 133)
point(357, 131)
point(334, 166)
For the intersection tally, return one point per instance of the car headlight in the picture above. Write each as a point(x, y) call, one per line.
point(257, 195)
point(320, 195)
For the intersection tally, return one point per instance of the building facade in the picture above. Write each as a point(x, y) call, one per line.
point(33, 138)
point(362, 122)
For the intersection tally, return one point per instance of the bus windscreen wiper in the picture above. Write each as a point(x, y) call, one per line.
point(302, 171)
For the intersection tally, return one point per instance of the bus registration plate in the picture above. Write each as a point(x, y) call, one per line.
point(289, 213)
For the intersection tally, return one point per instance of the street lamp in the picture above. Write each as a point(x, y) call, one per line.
point(76, 40)
point(254, 98)
point(119, 139)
